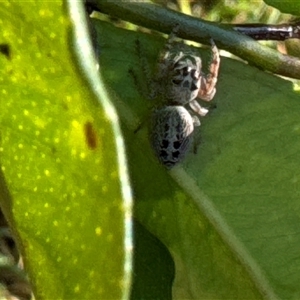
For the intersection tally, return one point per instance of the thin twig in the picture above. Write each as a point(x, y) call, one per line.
point(278, 32)
point(161, 19)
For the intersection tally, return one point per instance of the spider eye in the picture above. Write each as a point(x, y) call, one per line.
point(194, 87)
point(185, 71)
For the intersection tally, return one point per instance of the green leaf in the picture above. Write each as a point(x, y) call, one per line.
point(286, 6)
point(229, 214)
point(62, 189)
point(153, 271)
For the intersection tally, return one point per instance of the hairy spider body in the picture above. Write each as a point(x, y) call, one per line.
point(178, 82)
point(171, 133)
point(179, 72)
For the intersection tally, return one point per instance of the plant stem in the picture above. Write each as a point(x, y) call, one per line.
point(278, 32)
point(161, 19)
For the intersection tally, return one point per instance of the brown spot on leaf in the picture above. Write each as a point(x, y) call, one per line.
point(5, 50)
point(90, 135)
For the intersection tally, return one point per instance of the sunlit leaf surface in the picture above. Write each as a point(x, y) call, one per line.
point(59, 160)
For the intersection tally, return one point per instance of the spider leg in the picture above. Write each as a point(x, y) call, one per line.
point(196, 107)
point(138, 83)
point(170, 41)
point(196, 142)
point(144, 64)
point(196, 121)
point(208, 83)
point(165, 64)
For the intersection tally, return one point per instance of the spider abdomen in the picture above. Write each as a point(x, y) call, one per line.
point(171, 134)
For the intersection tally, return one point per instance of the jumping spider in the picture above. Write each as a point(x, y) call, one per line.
point(179, 81)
